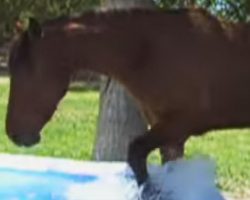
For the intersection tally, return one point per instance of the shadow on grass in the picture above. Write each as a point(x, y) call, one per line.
point(84, 86)
point(4, 75)
point(4, 72)
point(79, 86)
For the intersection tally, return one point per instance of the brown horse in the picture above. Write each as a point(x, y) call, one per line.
point(188, 72)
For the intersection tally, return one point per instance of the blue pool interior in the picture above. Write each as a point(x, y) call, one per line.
point(36, 178)
point(24, 184)
point(44, 178)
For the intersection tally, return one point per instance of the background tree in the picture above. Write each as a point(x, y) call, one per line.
point(120, 121)
point(11, 10)
point(234, 10)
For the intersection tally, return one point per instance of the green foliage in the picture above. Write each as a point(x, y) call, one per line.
point(234, 10)
point(11, 10)
point(169, 3)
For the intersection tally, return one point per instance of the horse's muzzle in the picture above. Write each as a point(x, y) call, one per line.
point(26, 140)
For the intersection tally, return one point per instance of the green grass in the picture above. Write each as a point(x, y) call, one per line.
point(231, 150)
point(71, 134)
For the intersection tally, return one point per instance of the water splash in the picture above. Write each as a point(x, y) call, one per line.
point(182, 180)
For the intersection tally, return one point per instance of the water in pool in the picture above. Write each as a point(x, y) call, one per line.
point(51, 179)
point(18, 184)
point(31, 185)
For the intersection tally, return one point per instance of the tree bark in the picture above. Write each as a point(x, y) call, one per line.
point(120, 121)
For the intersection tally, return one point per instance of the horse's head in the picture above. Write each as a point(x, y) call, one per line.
point(39, 79)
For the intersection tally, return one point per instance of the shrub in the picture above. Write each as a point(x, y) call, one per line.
point(11, 10)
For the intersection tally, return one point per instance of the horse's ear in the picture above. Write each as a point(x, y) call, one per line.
point(19, 27)
point(34, 29)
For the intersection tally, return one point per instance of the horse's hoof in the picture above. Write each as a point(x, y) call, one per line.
point(149, 191)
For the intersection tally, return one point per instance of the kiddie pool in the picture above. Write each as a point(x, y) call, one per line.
point(38, 178)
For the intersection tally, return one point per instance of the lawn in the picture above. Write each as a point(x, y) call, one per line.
point(71, 134)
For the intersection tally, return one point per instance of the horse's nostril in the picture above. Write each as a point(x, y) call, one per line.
point(25, 139)
point(13, 138)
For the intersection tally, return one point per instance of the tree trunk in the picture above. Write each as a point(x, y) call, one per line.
point(120, 121)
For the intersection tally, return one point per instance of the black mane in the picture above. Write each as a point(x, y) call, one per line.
point(107, 13)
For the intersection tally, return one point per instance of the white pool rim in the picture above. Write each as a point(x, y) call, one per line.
point(41, 164)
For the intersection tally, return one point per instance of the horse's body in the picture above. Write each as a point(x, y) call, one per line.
point(188, 72)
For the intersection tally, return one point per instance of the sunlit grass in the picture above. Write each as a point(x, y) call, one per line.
point(70, 133)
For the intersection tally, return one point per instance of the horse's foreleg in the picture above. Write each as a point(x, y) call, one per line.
point(167, 133)
point(142, 146)
point(138, 152)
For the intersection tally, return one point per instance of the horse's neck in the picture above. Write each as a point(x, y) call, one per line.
point(103, 48)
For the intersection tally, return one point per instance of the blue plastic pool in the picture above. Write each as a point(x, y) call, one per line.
point(25, 185)
point(36, 178)
point(32, 178)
